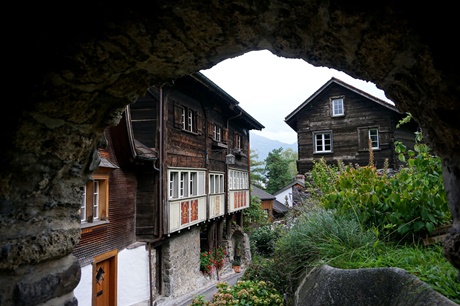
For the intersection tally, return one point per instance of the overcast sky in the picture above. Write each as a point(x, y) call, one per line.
point(269, 87)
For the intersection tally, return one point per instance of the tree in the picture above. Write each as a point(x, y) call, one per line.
point(258, 178)
point(277, 169)
point(291, 156)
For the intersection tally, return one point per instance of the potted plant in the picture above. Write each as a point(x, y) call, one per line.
point(236, 264)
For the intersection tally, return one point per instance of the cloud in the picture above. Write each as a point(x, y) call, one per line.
point(269, 87)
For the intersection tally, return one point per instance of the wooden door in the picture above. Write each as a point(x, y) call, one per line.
point(102, 280)
point(105, 279)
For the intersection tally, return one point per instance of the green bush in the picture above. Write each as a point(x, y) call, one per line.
point(321, 234)
point(263, 240)
point(267, 269)
point(243, 293)
point(408, 205)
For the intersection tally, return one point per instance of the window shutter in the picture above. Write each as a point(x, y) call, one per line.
point(199, 124)
point(177, 116)
point(89, 201)
point(224, 135)
point(384, 137)
point(363, 139)
point(210, 129)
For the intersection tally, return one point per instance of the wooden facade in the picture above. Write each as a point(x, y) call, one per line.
point(184, 134)
point(338, 120)
point(180, 158)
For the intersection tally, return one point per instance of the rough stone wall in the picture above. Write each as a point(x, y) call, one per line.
point(74, 70)
point(181, 256)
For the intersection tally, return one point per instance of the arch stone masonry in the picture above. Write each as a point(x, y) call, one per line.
point(72, 70)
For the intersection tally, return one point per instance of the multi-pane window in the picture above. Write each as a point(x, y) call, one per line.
point(188, 119)
point(94, 206)
point(186, 183)
point(216, 183)
point(322, 142)
point(238, 180)
point(237, 141)
point(337, 107)
point(217, 133)
point(96, 200)
point(374, 137)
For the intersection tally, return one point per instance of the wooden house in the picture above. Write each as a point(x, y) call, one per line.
point(180, 185)
point(293, 194)
point(337, 122)
point(273, 208)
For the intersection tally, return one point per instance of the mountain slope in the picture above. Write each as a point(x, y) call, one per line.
point(262, 145)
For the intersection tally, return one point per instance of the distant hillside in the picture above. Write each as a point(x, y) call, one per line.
point(262, 146)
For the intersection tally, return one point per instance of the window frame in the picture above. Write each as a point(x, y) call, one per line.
point(216, 133)
point(323, 142)
point(186, 183)
point(376, 136)
point(335, 107)
point(238, 179)
point(95, 200)
point(216, 183)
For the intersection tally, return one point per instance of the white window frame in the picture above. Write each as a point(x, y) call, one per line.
point(95, 200)
point(338, 108)
point(188, 119)
point(186, 183)
point(374, 137)
point(238, 180)
point(321, 148)
point(216, 183)
point(217, 133)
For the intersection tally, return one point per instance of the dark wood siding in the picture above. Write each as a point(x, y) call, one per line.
point(361, 114)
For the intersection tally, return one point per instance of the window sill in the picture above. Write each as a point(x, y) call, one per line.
point(93, 224)
point(318, 153)
point(219, 145)
point(239, 152)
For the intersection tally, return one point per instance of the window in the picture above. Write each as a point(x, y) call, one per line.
point(216, 183)
point(187, 119)
point(365, 134)
point(322, 142)
point(217, 133)
point(337, 107)
point(186, 183)
point(95, 200)
point(237, 141)
point(374, 137)
point(238, 180)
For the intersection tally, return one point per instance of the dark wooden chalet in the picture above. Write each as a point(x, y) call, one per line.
point(178, 160)
point(195, 139)
point(338, 120)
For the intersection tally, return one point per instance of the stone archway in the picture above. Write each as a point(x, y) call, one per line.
point(73, 69)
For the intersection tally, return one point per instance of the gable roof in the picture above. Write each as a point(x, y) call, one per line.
point(261, 194)
point(233, 104)
point(296, 182)
point(280, 207)
point(383, 103)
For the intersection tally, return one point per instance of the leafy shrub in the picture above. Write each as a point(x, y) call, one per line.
point(410, 204)
point(243, 293)
point(263, 239)
point(266, 269)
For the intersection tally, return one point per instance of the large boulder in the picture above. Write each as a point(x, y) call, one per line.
point(325, 285)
